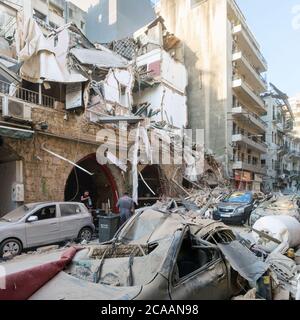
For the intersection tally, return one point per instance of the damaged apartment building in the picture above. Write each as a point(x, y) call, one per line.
point(62, 98)
point(282, 158)
point(226, 79)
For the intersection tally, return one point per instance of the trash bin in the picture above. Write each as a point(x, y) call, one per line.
point(108, 226)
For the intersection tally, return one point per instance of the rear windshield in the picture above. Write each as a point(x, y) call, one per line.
point(238, 198)
point(18, 213)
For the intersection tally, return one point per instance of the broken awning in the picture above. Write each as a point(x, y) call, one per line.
point(99, 58)
point(16, 133)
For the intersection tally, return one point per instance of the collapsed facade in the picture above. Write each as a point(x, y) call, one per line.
point(70, 110)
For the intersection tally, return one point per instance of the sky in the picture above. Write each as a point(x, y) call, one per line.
point(276, 26)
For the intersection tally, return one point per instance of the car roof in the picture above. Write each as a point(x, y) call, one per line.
point(50, 202)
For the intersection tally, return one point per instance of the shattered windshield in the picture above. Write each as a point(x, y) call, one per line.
point(238, 198)
point(18, 213)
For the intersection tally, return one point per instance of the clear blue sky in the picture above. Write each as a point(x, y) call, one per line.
point(277, 29)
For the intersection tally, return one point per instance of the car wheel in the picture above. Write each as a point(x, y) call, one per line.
point(10, 247)
point(85, 234)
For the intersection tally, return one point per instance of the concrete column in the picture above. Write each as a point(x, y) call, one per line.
point(40, 94)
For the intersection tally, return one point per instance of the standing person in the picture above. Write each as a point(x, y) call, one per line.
point(86, 200)
point(126, 206)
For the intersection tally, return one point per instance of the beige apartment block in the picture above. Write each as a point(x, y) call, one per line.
point(226, 79)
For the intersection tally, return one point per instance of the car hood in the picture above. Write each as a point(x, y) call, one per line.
point(67, 287)
point(231, 205)
point(6, 225)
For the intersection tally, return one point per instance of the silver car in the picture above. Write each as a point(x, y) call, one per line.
point(39, 224)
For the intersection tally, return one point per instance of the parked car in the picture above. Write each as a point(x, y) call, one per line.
point(277, 205)
point(39, 224)
point(236, 207)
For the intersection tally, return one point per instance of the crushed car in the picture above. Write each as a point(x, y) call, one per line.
point(156, 255)
point(277, 205)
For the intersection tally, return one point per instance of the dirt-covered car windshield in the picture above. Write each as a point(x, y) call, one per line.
point(18, 213)
point(238, 198)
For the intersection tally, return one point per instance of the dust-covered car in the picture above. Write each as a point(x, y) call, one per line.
point(277, 205)
point(39, 224)
point(236, 207)
point(157, 255)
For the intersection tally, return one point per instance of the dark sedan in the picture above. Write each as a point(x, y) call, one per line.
point(235, 208)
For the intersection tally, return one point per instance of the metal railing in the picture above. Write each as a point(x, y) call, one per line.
point(26, 95)
point(247, 113)
point(238, 50)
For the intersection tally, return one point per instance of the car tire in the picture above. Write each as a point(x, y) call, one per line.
point(13, 246)
point(85, 234)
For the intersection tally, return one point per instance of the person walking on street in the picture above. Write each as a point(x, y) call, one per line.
point(86, 200)
point(126, 206)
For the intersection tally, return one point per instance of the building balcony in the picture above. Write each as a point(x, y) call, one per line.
point(295, 154)
point(25, 95)
point(252, 76)
point(246, 43)
point(248, 97)
point(240, 165)
point(254, 120)
point(258, 146)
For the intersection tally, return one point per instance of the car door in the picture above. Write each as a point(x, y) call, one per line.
point(46, 229)
point(199, 273)
point(71, 220)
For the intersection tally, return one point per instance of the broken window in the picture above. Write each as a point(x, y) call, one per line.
point(192, 257)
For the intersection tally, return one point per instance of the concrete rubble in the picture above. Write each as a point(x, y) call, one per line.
point(130, 85)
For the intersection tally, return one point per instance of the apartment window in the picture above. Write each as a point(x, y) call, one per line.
point(249, 159)
point(196, 3)
point(234, 128)
point(123, 96)
point(39, 15)
point(234, 102)
point(71, 13)
point(82, 25)
point(234, 155)
point(56, 10)
point(254, 161)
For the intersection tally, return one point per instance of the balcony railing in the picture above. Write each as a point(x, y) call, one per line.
point(250, 141)
point(238, 50)
point(238, 164)
point(26, 95)
point(243, 28)
point(241, 110)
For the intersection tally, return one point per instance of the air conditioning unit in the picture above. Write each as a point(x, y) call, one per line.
point(15, 109)
point(17, 192)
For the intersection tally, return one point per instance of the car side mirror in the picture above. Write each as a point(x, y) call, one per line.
point(32, 219)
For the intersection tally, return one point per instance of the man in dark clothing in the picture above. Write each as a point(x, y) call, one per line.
point(86, 200)
point(126, 206)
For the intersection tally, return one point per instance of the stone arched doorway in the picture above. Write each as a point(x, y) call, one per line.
point(152, 176)
point(101, 185)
